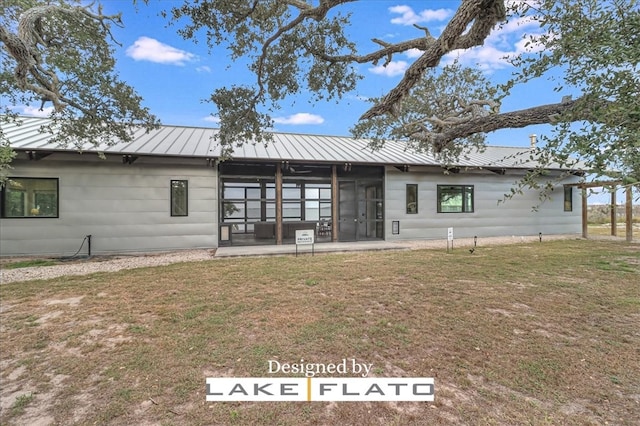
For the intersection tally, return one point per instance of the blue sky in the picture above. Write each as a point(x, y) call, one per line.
point(174, 76)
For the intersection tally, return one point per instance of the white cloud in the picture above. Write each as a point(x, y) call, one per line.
point(485, 58)
point(203, 68)
point(504, 42)
point(300, 118)
point(32, 111)
point(409, 17)
point(414, 53)
point(392, 69)
point(529, 46)
point(212, 119)
point(360, 98)
point(149, 49)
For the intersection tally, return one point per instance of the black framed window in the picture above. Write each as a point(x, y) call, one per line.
point(568, 198)
point(412, 198)
point(455, 198)
point(179, 198)
point(245, 202)
point(30, 197)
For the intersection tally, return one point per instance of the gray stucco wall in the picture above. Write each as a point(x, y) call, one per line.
point(126, 208)
point(515, 216)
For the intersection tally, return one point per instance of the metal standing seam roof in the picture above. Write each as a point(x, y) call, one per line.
point(195, 142)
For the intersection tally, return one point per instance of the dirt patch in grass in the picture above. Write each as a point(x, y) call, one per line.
point(543, 333)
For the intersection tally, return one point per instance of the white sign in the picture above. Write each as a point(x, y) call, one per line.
point(450, 234)
point(304, 236)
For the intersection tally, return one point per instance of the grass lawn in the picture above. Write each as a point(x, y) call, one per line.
point(599, 230)
point(540, 333)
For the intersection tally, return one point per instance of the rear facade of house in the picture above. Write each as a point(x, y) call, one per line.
point(168, 190)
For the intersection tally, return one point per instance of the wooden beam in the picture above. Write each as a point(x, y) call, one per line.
point(614, 214)
point(629, 213)
point(585, 233)
point(278, 204)
point(596, 184)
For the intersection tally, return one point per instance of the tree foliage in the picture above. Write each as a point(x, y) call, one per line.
point(60, 55)
point(597, 45)
point(443, 98)
point(295, 45)
point(279, 39)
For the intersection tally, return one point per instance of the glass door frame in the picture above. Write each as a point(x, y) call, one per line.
point(354, 221)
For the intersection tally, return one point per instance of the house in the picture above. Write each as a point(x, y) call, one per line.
point(168, 190)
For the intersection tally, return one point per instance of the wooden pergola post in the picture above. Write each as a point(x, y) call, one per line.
point(629, 213)
point(614, 213)
point(334, 203)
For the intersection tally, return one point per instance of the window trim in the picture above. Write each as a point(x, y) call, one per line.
point(568, 189)
point(3, 204)
point(464, 190)
point(186, 196)
point(414, 187)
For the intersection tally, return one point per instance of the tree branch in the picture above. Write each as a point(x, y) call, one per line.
point(482, 14)
point(388, 49)
point(515, 119)
point(23, 47)
point(318, 13)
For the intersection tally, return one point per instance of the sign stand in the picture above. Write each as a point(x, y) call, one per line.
point(305, 237)
point(449, 238)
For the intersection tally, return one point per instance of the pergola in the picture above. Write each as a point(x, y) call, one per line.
point(614, 184)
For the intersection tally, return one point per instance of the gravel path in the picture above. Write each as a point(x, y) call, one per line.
point(112, 264)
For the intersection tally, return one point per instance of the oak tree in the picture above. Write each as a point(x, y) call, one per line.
point(59, 55)
point(295, 45)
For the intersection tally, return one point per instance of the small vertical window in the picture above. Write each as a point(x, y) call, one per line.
point(179, 198)
point(412, 198)
point(30, 197)
point(568, 198)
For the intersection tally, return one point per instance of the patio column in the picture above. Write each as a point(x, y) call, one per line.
point(278, 204)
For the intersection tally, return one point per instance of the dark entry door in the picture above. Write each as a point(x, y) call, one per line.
point(347, 212)
point(360, 211)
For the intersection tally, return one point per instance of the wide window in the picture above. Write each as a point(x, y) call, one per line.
point(412, 198)
point(455, 198)
point(568, 198)
point(246, 202)
point(179, 198)
point(306, 201)
point(30, 197)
